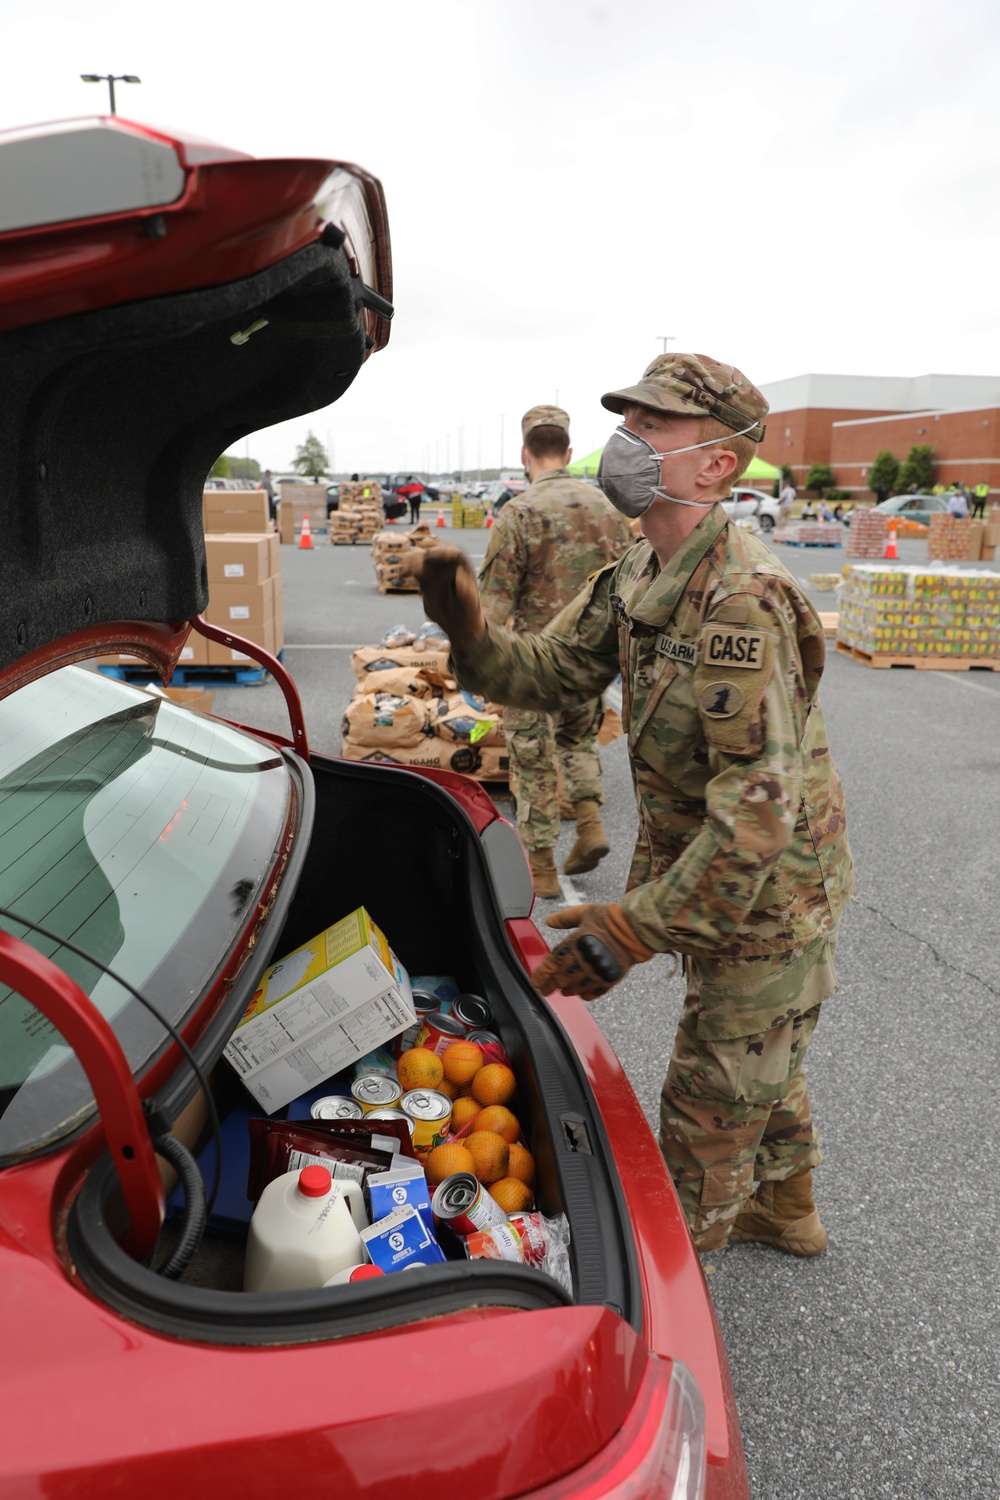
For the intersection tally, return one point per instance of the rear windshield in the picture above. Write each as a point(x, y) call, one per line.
point(139, 831)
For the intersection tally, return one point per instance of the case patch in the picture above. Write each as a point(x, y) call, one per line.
point(731, 646)
point(720, 700)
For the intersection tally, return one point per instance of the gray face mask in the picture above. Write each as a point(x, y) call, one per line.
point(629, 472)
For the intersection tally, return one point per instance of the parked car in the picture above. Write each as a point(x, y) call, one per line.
point(745, 502)
point(155, 861)
point(500, 491)
point(913, 507)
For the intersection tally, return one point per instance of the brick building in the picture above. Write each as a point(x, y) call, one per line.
point(844, 420)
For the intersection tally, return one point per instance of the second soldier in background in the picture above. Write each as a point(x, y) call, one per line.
point(543, 547)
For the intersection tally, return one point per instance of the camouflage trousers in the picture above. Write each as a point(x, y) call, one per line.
point(534, 741)
point(734, 1109)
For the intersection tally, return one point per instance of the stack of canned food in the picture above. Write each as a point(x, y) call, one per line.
point(450, 1082)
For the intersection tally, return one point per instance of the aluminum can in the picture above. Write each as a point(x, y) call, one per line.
point(431, 1116)
point(438, 1031)
point(391, 1114)
point(463, 1204)
point(376, 1091)
point(442, 986)
point(499, 1242)
point(423, 1003)
point(493, 1048)
point(473, 1012)
point(335, 1107)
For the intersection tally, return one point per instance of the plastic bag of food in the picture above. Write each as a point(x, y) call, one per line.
point(431, 637)
point(399, 635)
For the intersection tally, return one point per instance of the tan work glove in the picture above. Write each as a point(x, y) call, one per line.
point(451, 594)
point(598, 955)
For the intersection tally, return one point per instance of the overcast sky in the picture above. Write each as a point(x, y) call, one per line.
point(787, 185)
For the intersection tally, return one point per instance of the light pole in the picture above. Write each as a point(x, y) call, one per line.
point(665, 339)
point(110, 79)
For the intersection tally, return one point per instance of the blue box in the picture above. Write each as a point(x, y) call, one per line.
point(400, 1240)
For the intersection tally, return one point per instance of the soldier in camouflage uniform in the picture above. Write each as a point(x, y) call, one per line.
point(742, 863)
point(543, 547)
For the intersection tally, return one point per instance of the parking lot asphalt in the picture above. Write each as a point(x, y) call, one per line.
point(874, 1370)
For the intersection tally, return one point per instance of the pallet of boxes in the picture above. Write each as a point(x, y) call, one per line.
point(359, 514)
point(298, 501)
point(954, 539)
point(245, 594)
point(407, 711)
point(920, 615)
point(390, 550)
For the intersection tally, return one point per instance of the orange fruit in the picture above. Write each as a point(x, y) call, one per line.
point(420, 1068)
point(494, 1084)
point(499, 1119)
point(513, 1195)
point(462, 1061)
point(450, 1089)
point(464, 1110)
point(521, 1164)
point(446, 1159)
point(490, 1153)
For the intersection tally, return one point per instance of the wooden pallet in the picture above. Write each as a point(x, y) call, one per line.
point(921, 663)
point(830, 621)
point(200, 675)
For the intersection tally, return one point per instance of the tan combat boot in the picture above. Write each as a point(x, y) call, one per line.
point(784, 1215)
point(591, 841)
point(544, 873)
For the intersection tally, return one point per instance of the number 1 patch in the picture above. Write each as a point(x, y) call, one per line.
point(720, 700)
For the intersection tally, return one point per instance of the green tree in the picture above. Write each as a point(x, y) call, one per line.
point(244, 468)
point(220, 469)
point(918, 468)
point(311, 459)
point(819, 478)
point(787, 477)
point(884, 472)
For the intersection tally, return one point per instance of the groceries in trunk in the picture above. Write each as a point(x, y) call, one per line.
point(391, 1138)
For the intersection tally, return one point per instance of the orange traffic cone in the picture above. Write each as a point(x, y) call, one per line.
point(890, 546)
point(440, 519)
point(489, 522)
point(305, 540)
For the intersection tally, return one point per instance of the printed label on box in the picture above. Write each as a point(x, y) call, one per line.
point(234, 570)
point(239, 611)
point(401, 1239)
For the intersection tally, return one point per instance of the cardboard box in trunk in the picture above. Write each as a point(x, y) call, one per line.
point(318, 1010)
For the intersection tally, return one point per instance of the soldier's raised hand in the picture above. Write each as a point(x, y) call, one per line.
point(598, 955)
point(450, 592)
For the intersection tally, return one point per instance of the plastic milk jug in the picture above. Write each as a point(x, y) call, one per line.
point(303, 1231)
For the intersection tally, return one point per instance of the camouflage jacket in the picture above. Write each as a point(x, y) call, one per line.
point(544, 546)
point(742, 848)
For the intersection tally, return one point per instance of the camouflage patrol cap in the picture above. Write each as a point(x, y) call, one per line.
point(544, 416)
point(694, 385)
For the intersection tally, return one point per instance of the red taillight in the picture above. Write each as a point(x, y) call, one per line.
point(659, 1453)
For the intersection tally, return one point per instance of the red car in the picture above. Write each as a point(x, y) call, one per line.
point(159, 298)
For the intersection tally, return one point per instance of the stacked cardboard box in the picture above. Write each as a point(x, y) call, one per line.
point(358, 517)
point(919, 611)
point(991, 535)
point(867, 533)
point(407, 711)
point(245, 595)
point(235, 510)
point(812, 533)
point(297, 501)
point(389, 551)
point(951, 539)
